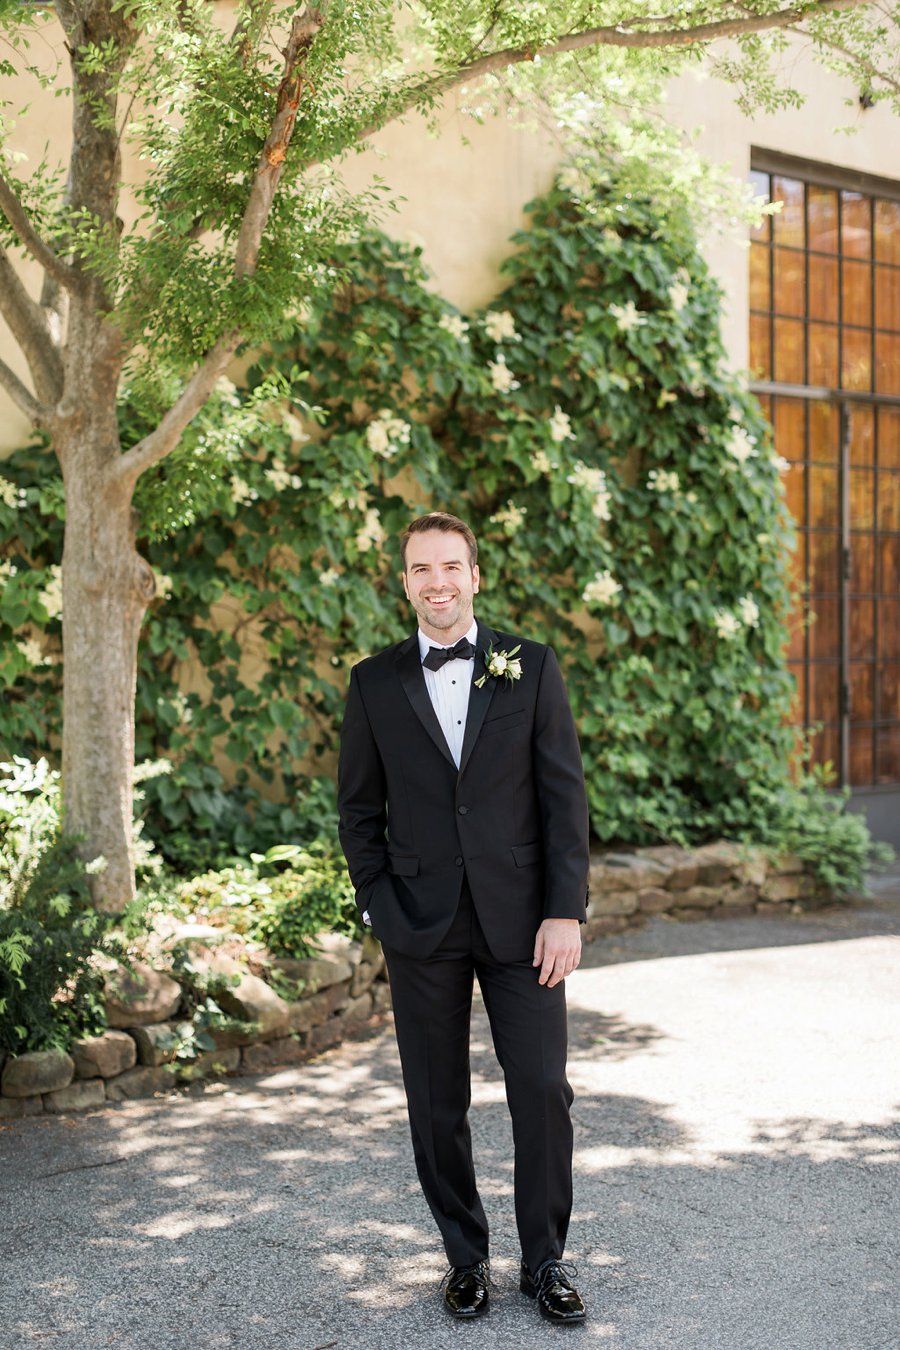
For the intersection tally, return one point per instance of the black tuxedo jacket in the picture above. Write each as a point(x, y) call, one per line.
point(513, 819)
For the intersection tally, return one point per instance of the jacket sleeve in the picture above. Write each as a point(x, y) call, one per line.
point(559, 776)
point(362, 797)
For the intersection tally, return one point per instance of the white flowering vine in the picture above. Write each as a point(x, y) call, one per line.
point(627, 316)
point(500, 326)
point(386, 433)
point(602, 589)
point(560, 425)
point(511, 517)
point(502, 377)
point(663, 480)
point(455, 325)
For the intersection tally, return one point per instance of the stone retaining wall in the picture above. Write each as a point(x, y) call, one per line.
point(345, 988)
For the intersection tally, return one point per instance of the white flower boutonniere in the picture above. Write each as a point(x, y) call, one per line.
point(501, 664)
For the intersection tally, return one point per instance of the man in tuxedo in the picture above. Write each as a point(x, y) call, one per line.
point(465, 827)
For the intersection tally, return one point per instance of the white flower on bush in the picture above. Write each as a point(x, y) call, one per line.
point(7, 568)
point(781, 464)
point(748, 610)
point(627, 316)
point(30, 648)
point(663, 480)
point(680, 290)
point(294, 428)
point(281, 478)
point(741, 446)
point(183, 709)
point(593, 481)
point(560, 426)
point(500, 326)
point(541, 462)
point(51, 595)
point(329, 577)
point(455, 325)
point(241, 491)
point(602, 590)
point(502, 377)
point(386, 433)
point(228, 389)
point(372, 533)
point(574, 180)
point(164, 585)
point(762, 539)
point(511, 517)
point(666, 396)
point(8, 493)
point(727, 625)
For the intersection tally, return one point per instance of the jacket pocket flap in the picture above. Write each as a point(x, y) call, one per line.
point(526, 854)
point(403, 864)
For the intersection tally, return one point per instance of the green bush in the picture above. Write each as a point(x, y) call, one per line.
point(586, 423)
point(282, 898)
point(50, 988)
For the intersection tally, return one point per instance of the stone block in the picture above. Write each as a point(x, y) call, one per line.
point(778, 887)
point(602, 927)
point(283, 1050)
point(364, 977)
point(684, 874)
point(739, 896)
point(358, 1009)
point(36, 1072)
point(700, 897)
point(753, 867)
point(625, 872)
point(227, 1038)
point(14, 1108)
point(716, 862)
point(689, 913)
point(104, 1055)
point(381, 997)
point(788, 862)
point(327, 1034)
point(140, 997)
point(210, 1063)
point(139, 1082)
point(602, 903)
point(338, 947)
point(772, 907)
point(78, 1096)
point(313, 973)
point(654, 900)
point(254, 1001)
point(311, 1012)
point(159, 1044)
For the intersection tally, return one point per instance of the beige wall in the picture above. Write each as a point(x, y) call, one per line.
point(462, 202)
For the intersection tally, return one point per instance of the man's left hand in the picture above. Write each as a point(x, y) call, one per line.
point(557, 949)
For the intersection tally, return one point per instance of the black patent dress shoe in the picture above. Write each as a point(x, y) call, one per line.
point(466, 1290)
point(551, 1285)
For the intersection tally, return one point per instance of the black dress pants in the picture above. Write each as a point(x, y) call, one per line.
point(432, 1000)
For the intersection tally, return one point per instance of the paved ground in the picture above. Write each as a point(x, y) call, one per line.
point(738, 1140)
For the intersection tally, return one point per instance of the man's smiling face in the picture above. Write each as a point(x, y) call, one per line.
point(440, 583)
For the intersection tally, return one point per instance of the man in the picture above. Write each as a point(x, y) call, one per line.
point(464, 824)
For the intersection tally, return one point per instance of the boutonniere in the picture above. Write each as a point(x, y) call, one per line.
point(501, 664)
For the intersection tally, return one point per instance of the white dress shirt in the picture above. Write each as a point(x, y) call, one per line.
point(448, 689)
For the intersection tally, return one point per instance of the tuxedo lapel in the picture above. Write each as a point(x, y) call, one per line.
point(409, 668)
point(479, 698)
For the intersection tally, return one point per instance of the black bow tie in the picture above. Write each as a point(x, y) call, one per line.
point(438, 656)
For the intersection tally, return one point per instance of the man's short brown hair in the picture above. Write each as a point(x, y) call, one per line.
point(447, 524)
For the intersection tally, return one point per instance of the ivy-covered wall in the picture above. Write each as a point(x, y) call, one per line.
point(621, 482)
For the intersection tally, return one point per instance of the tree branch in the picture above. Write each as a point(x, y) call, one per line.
point(22, 397)
point(15, 213)
point(28, 322)
point(619, 35)
point(166, 436)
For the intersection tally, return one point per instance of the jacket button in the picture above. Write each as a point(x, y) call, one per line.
point(463, 810)
point(458, 861)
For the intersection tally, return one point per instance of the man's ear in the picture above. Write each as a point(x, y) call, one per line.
point(476, 579)
point(405, 587)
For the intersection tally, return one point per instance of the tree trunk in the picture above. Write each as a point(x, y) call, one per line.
point(106, 589)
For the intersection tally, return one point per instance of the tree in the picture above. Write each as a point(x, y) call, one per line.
point(239, 213)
